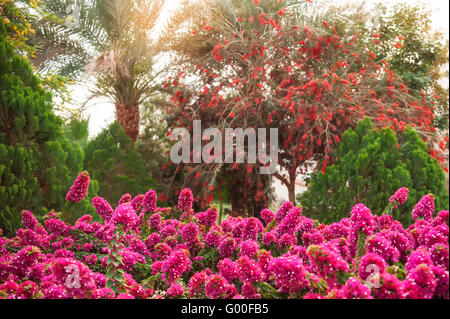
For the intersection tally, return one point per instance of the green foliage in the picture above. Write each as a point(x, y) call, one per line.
point(77, 131)
point(21, 19)
point(37, 164)
point(16, 16)
point(423, 49)
point(422, 61)
point(371, 165)
point(112, 159)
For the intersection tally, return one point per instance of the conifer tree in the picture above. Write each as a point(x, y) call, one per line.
point(371, 165)
point(37, 164)
point(112, 159)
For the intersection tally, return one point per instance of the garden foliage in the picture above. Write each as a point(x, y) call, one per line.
point(37, 164)
point(371, 164)
point(141, 250)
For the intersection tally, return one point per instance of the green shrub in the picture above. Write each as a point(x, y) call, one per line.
point(112, 159)
point(371, 165)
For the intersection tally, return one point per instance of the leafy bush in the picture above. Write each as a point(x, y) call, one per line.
point(370, 165)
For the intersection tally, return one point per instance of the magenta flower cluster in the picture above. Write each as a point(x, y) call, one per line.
point(185, 200)
point(424, 208)
point(78, 190)
point(399, 197)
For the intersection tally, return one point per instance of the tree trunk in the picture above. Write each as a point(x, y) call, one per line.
point(238, 208)
point(291, 188)
point(290, 184)
point(129, 119)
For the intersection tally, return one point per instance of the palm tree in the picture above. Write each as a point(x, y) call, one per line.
point(111, 41)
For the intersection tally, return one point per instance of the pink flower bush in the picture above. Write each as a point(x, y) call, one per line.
point(216, 286)
point(189, 232)
point(326, 263)
point(420, 283)
point(390, 287)
point(226, 247)
point(228, 269)
point(283, 210)
point(125, 216)
point(213, 238)
point(176, 264)
point(362, 219)
point(249, 248)
point(126, 198)
point(28, 220)
point(137, 202)
point(355, 289)
point(284, 255)
point(208, 218)
point(369, 263)
point(175, 290)
point(197, 283)
point(267, 215)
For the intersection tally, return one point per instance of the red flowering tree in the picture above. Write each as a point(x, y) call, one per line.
point(258, 67)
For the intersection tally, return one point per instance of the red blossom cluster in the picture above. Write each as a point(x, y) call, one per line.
point(310, 82)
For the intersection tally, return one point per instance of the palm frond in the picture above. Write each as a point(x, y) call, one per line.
point(50, 41)
point(182, 23)
point(115, 17)
point(146, 14)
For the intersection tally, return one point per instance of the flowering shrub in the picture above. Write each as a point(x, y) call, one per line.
point(144, 251)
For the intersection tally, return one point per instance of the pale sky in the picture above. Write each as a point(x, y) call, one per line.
point(101, 112)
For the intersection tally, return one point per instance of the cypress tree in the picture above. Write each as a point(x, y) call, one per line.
point(111, 159)
point(371, 165)
point(37, 164)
